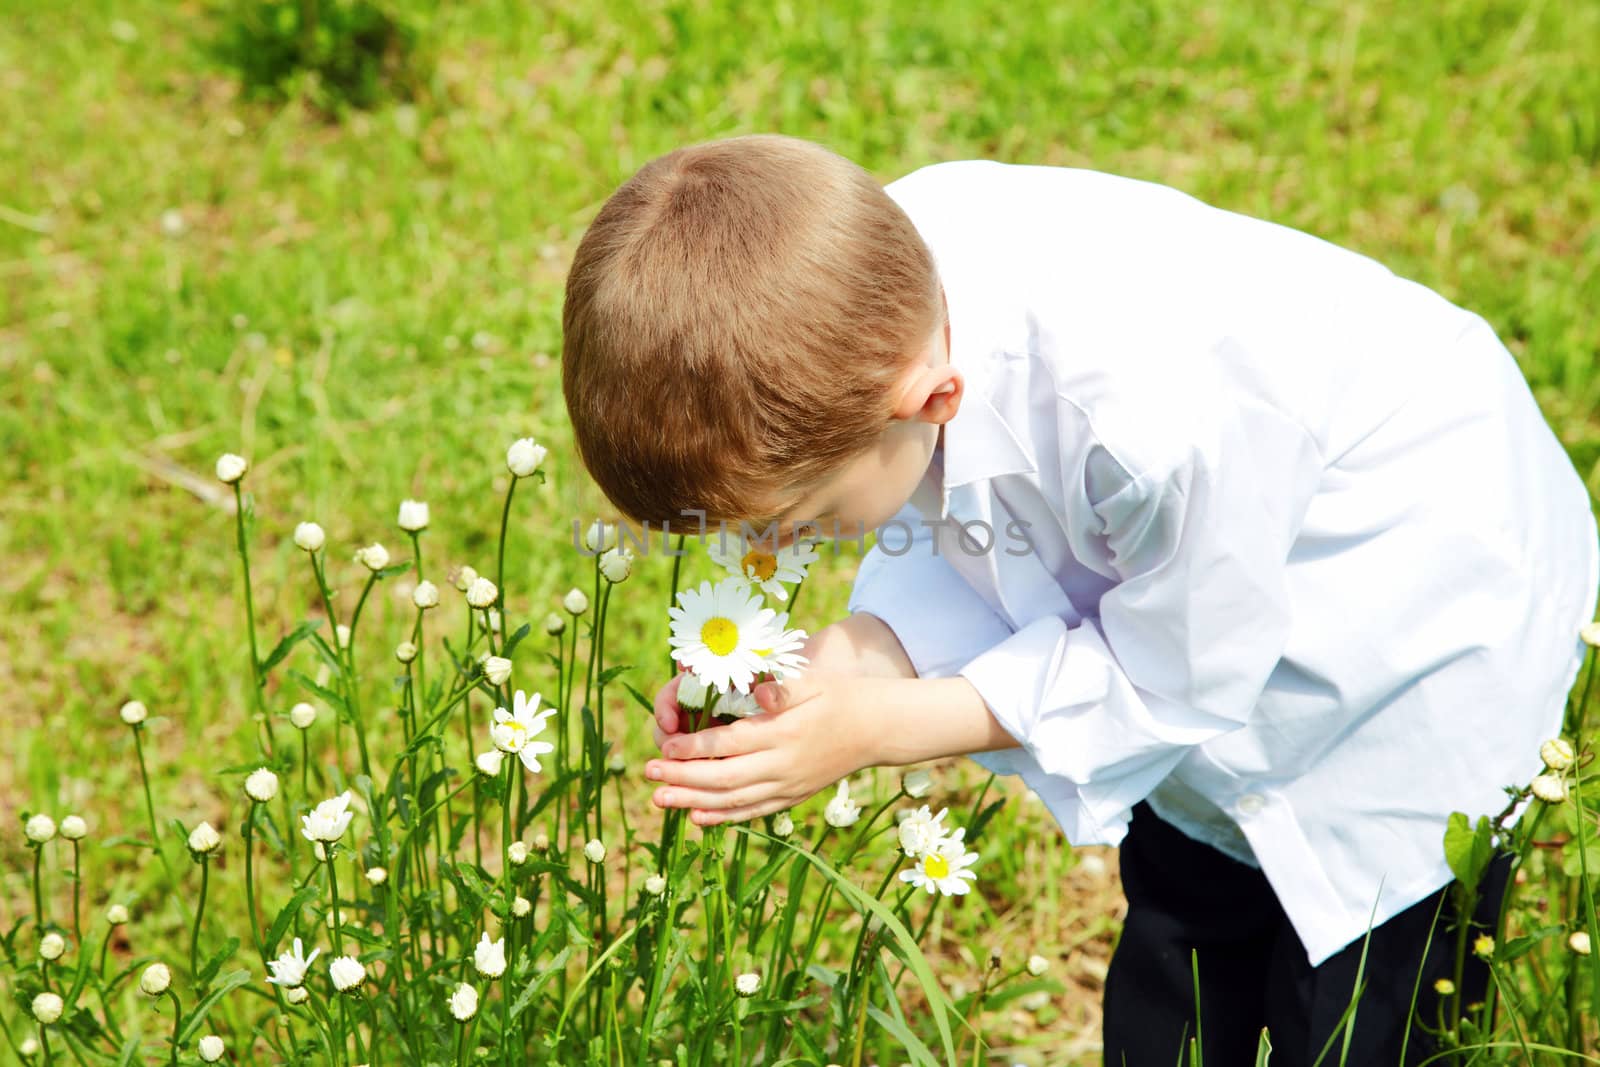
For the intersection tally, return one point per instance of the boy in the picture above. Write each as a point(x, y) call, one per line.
point(1301, 566)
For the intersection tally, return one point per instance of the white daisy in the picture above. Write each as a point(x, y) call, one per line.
point(289, 969)
point(514, 731)
point(942, 868)
point(841, 811)
point(717, 630)
point(328, 820)
point(921, 830)
point(783, 657)
point(769, 570)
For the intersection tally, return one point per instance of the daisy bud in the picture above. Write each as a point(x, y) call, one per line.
point(51, 946)
point(783, 825)
point(347, 973)
point(341, 634)
point(616, 764)
point(405, 652)
point(40, 828)
point(598, 537)
point(425, 595)
point(575, 602)
point(692, 692)
point(1557, 754)
point(616, 564)
point(261, 785)
point(1444, 987)
point(595, 850)
point(374, 557)
point(155, 980)
point(494, 620)
point(1483, 946)
point(464, 577)
point(541, 840)
point(517, 853)
point(117, 915)
point(376, 876)
point(489, 957)
point(1549, 788)
point(917, 784)
point(520, 907)
point(554, 624)
point(747, 984)
point(303, 715)
point(655, 885)
point(1037, 965)
point(497, 669)
point(413, 516)
point(841, 811)
point(210, 1048)
point(203, 840)
point(1590, 632)
point(464, 1003)
point(47, 1007)
point(525, 457)
point(133, 712)
point(297, 995)
point(29, 1048)
point(489, 762)
point(309, 536)
point(73, 828)
point(230, 468)
point(482, 593)
point(1578, 941)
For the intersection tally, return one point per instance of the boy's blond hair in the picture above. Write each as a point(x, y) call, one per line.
point(734, 318)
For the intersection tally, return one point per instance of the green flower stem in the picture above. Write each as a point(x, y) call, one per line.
point(500, 557)
point(38, 898)
point(149, 805)
point(853, 980)
point(250, 882)
point(512, 763)
point(422, 674)
point(77, 883)
point(177, 1019)
point(194, 934)
point(257, 682)
point(352, 681)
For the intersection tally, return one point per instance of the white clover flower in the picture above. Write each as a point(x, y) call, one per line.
point(489, 957)
point(376, 876)
point(520, 906)
point(595, 850)
point(841, 810)
point(1578, 941)
point(309, 536)
point(482, 593)
point(40, 828)
point(1557, 754)
point(47, 1007)
point(117, 915)
point(261, 785)
point(347, 973)
point(230, 468)
point(303, 715)
point(52, 946)
point(767, 570)
point(73, 828)
point(1549, 788)
point(289, 969)
point(783, 825)
point(497, 669)
point(920, 830)
point(599, 537)
point(489, 762)
point(134, 712)
point(1590, 632)
point(341, 634)
point(297, 995)
point(328, 820)
point(464, 577)
point(405, 652)
point(655, 885)
point(374, 557)
point(514, 732)
point(616, 564)
point(943, 868)
point(413, 516)
point(717, 632)
point(916, 784)
point(517, 853)
point(204, 840)
point(155, 980)
point(692, 692)
point(210, 1048)
point(747, 984)
point(1037, 965)
point(464, 1003)
point(425, 595)
point(525, 457)
point(554, 624)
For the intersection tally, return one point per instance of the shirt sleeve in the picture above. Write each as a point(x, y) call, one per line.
point(1184, 642)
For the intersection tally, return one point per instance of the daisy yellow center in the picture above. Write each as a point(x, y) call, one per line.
point(760, 565)
point(516, 734)
point(720, 636)
point(935, 866)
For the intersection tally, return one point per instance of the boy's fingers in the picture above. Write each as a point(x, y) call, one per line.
point(719, 742)
point(701, 817)
point(666, 706)
point(722, 774)
point(714, 799)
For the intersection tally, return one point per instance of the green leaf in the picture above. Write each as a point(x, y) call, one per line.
point(191, 1023)
point(642, 700)
point(285, 646)
point(1263, 1049)
point(608, 675)
point(1468, 850)
point(280, 925)
point(394, 569)
point(214, 964)
point(516, 639)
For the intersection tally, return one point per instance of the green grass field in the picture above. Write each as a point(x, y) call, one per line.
point(368, 305)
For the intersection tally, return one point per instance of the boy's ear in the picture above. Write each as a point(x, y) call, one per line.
point(932, 395)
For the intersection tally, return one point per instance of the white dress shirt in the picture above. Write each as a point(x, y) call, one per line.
point(1305, 565)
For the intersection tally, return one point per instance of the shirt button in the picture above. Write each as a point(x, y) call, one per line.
point(1251, 804)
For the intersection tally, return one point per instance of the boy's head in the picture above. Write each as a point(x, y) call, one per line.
point(753, 326)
